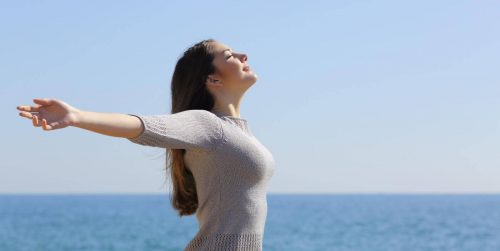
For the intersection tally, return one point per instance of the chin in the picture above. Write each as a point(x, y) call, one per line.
point(252, 81)
point(253, 78)
point(249, 79)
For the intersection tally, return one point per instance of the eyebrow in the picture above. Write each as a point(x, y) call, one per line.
point(222, 52)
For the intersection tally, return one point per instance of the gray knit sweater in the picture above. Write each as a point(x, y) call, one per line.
point(231, 169)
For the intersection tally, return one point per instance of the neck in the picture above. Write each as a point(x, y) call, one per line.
point(227, 106)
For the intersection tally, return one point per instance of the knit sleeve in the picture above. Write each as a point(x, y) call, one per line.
point(188, 129)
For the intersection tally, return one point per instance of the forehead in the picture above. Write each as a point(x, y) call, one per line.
point(220, 48)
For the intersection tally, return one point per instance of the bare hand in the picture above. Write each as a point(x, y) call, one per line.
point(49, 113)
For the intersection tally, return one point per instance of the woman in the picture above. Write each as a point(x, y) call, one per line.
point(219, 170)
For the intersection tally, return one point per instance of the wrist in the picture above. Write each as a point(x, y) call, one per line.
point(78, 118)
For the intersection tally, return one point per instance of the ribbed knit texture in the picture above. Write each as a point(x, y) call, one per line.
point(231, 169)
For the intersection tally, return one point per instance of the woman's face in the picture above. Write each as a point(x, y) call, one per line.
point(232, 69)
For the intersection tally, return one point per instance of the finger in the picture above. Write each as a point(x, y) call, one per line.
point(47, 127)
point(35, 121)
point(27, 108)
point(54, 125)
point(27, 115)
point(44, 125)
point(42, 101)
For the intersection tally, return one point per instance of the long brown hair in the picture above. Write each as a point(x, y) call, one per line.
point(188, 92)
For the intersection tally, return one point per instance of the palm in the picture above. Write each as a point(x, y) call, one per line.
point(55, 112)
point(49, 113)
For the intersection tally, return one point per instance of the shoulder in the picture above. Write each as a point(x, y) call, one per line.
point(199, 115)
point(198, 112)
point(187, 129)
point(205, 123)
point(203, 119)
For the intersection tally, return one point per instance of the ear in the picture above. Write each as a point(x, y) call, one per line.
point(213, 80)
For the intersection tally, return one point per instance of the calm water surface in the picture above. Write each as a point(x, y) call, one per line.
point(294, 222)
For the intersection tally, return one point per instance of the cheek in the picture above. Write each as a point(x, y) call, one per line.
point(231, 71)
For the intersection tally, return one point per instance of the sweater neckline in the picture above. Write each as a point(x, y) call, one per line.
point(228, 116)
point(239, 122)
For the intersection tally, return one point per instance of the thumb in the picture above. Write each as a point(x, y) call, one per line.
point(43, 101)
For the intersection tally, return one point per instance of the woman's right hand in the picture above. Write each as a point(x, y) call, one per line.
point(50, 114)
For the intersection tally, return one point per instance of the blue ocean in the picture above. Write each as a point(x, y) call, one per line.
point(294, 222)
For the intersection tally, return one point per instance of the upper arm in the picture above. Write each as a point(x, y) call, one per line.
point(183, 130)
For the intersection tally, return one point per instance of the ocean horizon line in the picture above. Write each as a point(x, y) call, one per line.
point(269, 194)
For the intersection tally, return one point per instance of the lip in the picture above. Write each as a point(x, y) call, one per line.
point(246, 68)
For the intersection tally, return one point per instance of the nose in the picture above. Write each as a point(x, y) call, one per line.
point(245, 57)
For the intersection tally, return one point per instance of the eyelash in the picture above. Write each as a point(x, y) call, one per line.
point(229, 56)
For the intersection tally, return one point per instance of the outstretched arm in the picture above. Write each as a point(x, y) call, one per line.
point(51, 114)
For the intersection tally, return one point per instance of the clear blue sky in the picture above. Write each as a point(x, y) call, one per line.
point(352, 96)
